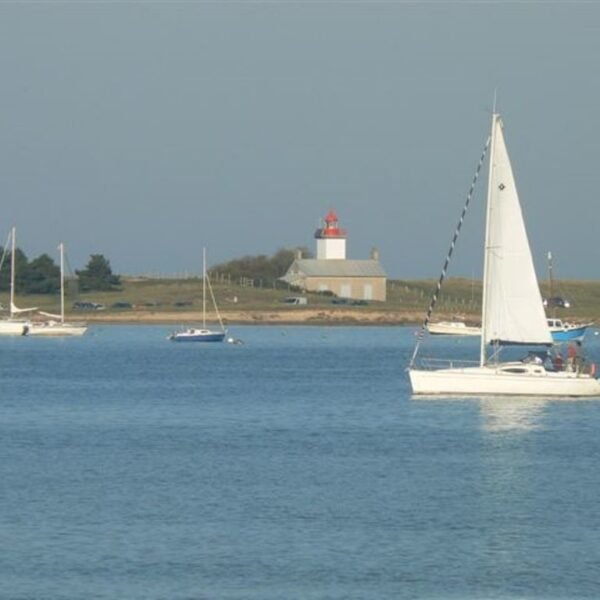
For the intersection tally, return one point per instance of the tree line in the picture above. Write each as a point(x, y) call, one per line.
point(42, 275)
point(261, 267)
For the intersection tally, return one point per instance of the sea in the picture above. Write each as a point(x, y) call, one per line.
point(293, 466)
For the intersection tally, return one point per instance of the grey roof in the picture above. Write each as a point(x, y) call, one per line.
point(312, 267)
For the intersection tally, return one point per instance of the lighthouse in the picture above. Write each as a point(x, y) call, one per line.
point(331, 239)
point(332, 273)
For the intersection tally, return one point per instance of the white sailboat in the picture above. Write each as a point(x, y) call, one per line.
point(512, 311)
point(56, 326)
point(204, 334)
point(14, 325)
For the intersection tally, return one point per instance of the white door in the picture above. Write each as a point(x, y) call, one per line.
point(368, 291)
point(346, 290)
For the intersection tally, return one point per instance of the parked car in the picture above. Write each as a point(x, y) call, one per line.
point(121, 305)
point(295, 300)
point(556, 302)
point(88, 306)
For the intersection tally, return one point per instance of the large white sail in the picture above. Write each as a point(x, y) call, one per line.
point(513, 311)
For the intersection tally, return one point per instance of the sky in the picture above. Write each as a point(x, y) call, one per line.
point(145, 131)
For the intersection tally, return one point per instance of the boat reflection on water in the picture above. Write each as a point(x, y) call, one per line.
point(513, 415)
point(506, 414)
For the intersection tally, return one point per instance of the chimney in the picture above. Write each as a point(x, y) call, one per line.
point(298, 254)
point(374, 254)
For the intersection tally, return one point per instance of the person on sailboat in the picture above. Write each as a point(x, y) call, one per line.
point(558, 362)
point(571, 357)
point(534, 357)
point(579, 358)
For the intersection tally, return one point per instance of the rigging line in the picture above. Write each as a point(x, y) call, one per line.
point(214, 301)
point(70, 274)
point(5, 251)
point(435, 295)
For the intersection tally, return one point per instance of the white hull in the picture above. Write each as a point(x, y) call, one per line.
point(53, 329)
point(452, 328)
point(10, 327)
point(529, 380)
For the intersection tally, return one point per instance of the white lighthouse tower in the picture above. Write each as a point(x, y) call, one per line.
point(331, 239)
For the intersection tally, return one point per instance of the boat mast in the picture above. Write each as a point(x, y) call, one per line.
point(550, 277)
point(203, 288)
point(486, 250)
point(62, 283)
point(12, 272)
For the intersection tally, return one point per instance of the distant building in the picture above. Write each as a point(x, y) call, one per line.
point(331, 271)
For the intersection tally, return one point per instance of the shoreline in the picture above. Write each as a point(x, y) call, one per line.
point(258, 317)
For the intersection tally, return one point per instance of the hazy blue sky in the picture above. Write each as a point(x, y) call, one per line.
point(145, 130)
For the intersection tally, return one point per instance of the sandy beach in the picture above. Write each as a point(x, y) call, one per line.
point(261, 317)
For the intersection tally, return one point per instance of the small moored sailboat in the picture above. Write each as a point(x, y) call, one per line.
point(55, 325)
point(14, 325)
point(202, 334)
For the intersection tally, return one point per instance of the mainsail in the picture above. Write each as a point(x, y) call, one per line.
point(513, 312)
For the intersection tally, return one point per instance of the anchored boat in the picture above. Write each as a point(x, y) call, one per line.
point(561, 331)
point(55, 325)
point(14, 325)
point(203, 334)
point(452, 328)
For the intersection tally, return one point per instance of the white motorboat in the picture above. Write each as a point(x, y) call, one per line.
point(452, 328)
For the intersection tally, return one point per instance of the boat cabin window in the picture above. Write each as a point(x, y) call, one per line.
point(514, 370)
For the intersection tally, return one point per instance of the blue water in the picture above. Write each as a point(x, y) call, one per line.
point(294, 466)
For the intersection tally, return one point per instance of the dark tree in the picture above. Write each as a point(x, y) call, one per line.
point(262, 267)
point(98, 276)
point(42, 276)
point(21, 267)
